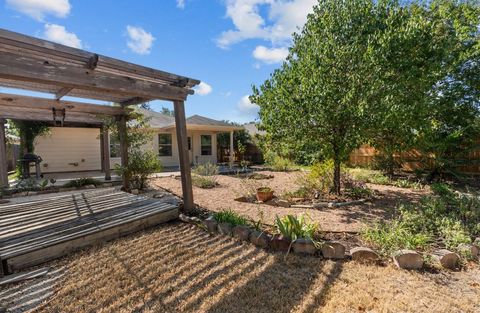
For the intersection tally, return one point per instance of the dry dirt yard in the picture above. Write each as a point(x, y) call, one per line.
point(180, 268)
point(344, 219)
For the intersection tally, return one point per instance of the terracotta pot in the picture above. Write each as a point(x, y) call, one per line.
point(264, 196)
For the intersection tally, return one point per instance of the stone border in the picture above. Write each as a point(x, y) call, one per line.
point(403, 259)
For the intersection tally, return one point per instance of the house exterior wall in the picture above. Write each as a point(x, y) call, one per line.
point(66, 149)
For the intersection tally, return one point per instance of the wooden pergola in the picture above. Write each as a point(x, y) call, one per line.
point(38, 65)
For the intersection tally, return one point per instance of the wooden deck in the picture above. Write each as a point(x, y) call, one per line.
point(49, 227)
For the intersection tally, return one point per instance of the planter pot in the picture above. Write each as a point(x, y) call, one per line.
point(264, 196)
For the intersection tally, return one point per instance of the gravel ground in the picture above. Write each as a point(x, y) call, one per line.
point(180, 268)
point(344, 219)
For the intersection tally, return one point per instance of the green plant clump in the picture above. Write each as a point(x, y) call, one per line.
point(81, 182)
point(281, 164)
point(230, 216)
point(207, 169)
point(203, 182)
point(141, 164)
point(293, 227)
point(446, 217)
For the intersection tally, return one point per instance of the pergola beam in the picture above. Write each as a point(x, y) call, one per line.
point(48, 72)
point(36, 103)
point(3, 156)
point(62, 92)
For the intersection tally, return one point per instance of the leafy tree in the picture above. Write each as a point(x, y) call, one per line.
point(241, 138)
point(327, 91)
point(28, 131)
point(167, 111)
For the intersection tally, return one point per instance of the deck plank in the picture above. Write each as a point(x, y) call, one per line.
point(33, 232)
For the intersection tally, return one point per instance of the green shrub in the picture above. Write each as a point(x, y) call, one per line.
point(302, 192)
point(293, 227)
point(369, 176)
point(81, 182)
point(141, 164)
point(359, 192)
point(230, 216)
point(280, 164)
point(393, 236)
point(445, 217)
point(207, 169)
point(320, 177)
point(204, 182)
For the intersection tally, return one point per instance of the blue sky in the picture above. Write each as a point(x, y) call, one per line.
point(228, 44)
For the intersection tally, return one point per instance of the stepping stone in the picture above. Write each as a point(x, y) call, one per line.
point(408, 259)
point(184, 218)
point(260, 239)
point(304, 246)
point(225, 229)
point(364, 255)
point(211, 225)
point(280, 243)
point(242, 232)
point(333, 250)
point(447, 259)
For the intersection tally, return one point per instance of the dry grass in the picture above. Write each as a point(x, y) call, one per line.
point(180, 268)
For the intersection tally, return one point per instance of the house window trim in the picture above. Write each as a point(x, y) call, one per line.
point(202, 146)
point(163, 145)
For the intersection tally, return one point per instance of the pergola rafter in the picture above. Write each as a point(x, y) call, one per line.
point(38, 65)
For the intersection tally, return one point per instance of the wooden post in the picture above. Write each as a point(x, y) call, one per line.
point(105, 151)
point(3, 156)
point(182, 141)
point(122, 132)
point(232, 154)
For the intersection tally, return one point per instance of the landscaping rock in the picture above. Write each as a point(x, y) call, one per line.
point(106, 185)
point(260, 239)
point(282, 203)
point(242, 232)
point(473, 249)
point(195, 220)
point(280, 243)
point(408, 259)
point(225, 229)
point(447, 259)
point(304, 246)
point(89, 186)
point(364, 255)
point(134, 192)
point(184, 218)
point(211, 225)
point(333, 250)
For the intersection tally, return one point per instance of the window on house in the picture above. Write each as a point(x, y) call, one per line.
point(114, 146)
point(165, 144)
point(206, 144)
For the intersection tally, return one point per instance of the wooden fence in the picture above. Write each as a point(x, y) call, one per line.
point(364, 157)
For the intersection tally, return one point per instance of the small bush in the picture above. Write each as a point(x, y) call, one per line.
point(280, 164)
point(302, 192)
point(393, 236)
point(141, 164)
point(293, 227)
point(204, 182)
point(207, 169)
point(369, 176)
point(81, 182)
point(320, 177)
point(230, 216)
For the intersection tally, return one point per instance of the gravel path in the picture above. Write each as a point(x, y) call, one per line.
point(344, 219)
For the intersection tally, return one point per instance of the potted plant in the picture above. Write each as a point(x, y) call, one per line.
point(264, 194)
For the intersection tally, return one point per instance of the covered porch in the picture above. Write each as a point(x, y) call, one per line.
point(28, 63)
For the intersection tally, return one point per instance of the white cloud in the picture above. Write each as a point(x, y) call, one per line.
point(181, 4)
point(282, 19)
point(246, 107)
point(58, 33)
point(140, 41)
point(37, 9)
point(203, 89)
point(270, 56)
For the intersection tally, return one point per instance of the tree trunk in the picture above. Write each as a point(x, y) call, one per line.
point(336, 176)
